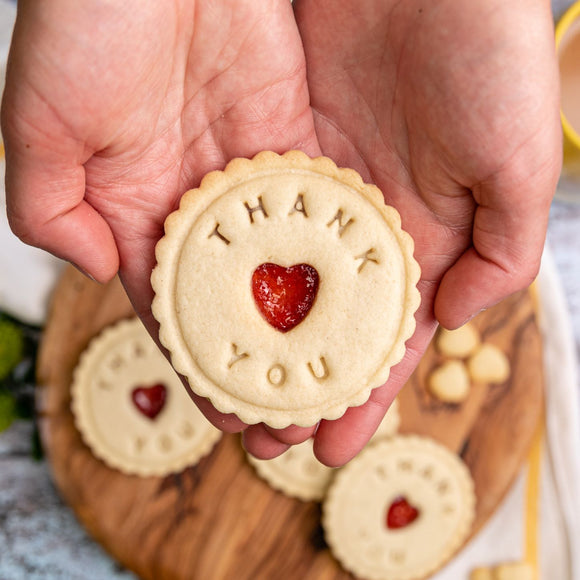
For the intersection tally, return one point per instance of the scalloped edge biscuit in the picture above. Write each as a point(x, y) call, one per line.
point(505, 571)
point(169, 252)
point(180, 423)
point(298, 473)
point(357, 496)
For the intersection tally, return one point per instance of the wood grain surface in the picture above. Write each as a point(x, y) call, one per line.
point(218, 520)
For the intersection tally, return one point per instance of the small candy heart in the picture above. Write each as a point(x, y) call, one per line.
point(401, 513)
point(150, 400)
point(284, 296)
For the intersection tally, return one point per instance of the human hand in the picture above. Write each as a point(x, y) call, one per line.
point(112, 110)
point(132, 170)
point(452, 110)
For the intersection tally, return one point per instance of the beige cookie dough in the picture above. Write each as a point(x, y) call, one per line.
point(458, 343)
point(356, 510)
point(116, 377)
point(489, 364)
point(450, 382)
point(507, 571)
point(298, 473)
point(285, 210)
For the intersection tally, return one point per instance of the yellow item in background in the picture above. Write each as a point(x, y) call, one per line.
point(568, 48)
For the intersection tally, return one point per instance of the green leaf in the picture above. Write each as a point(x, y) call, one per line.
point(11, 347)
point(7, 410)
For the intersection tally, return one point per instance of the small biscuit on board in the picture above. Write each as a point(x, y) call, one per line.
point(399, 510)
point(450, 382)
point(298, 473)
point(285, 289)
point(131, 407)
point(507, 571)
point(459, 343)
point(514, 571)
point(489, 364)
point(481, 573)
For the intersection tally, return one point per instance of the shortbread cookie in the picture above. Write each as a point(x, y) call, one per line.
point(458, 343)
point(285, 289)
point(399, 510)
point(481, 573)
point(450, 382)
point(131, 407)
point(514, 571)
point(508, 571)
point(298, 473)
point(489, 364)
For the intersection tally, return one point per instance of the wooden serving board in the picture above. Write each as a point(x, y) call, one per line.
point(218, 520)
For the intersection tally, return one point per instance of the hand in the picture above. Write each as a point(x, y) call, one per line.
point(451, 108)
point(164, 116)
point(113, 109)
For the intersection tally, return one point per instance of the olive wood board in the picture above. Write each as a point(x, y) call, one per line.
point(218, 520)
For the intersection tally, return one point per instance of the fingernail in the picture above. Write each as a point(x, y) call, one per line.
point(83, 272)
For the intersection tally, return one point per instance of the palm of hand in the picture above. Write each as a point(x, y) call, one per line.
point(234, 84)
point(456, 136)
point(143, 126)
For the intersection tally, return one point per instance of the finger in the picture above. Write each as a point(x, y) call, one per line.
point(259, 443)
point(45, 191)
point(227, 422)
point(291, 435)
point(509, 232)
point(337, 442)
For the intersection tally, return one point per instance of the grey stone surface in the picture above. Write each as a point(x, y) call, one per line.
point(39, 536)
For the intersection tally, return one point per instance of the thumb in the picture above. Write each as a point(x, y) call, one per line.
point(509, 231)
point(45, 190)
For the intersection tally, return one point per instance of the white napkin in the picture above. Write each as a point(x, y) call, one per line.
point(553, 466)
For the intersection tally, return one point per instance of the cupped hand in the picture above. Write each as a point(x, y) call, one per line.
point(112, 110)
point(451, 108)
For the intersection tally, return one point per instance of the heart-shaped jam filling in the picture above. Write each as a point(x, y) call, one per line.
point(284, 296)
point(150, 400)
point(401, 513)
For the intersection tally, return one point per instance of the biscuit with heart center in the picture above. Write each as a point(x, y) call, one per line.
point(399, 510)
point(131, 407)
point(285, 289)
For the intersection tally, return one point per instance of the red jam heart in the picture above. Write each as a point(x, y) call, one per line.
point(150, 400)
point(401, 513)
point(284, 296)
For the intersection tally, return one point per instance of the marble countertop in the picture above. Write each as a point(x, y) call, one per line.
point(40, 537)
